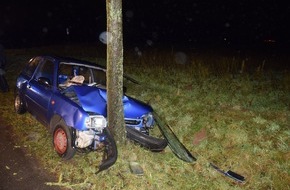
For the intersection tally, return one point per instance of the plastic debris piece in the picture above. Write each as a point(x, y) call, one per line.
point(136, 168)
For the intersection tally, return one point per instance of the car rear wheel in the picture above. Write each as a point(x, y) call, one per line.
point(62, 141)
point(19, 105)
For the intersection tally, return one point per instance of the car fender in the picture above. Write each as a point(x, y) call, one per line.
point(72, 114)
point(53, 121)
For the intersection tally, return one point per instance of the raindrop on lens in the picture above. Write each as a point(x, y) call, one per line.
point(149, 42)
point(103, 37)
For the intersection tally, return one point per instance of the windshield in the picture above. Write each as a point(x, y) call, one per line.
point(79, 73)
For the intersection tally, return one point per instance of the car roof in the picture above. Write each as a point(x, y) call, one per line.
point(60, 59)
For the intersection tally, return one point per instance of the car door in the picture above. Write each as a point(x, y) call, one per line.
point(39, 90)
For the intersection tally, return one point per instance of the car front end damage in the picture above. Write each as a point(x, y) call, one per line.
point(137, 115)
point(97, 137)
point(142, 124)
point(89, 129)
point(93, 136)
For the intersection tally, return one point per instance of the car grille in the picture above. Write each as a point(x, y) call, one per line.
point(132, 122)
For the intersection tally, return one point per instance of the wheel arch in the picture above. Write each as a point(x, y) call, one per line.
point(53, 121)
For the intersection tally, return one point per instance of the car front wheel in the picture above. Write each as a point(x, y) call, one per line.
point(62, 141)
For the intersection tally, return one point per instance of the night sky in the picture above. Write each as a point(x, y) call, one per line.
point(29, 23)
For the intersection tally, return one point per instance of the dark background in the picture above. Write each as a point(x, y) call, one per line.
point(157, 23)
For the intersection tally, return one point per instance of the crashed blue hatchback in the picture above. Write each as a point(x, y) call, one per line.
point(69, 97)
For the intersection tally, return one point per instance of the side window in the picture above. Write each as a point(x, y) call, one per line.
point(31, 66)
point(46, 71)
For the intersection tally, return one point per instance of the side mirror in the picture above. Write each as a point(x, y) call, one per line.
point(44, 81)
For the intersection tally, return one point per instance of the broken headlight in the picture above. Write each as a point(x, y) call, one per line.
point(97, 122)
point(148, 120)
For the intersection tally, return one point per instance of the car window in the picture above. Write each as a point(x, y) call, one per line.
point(67, 71)
point(45, 70)
point(99, 77)
point(31, 66)
point(86, 72)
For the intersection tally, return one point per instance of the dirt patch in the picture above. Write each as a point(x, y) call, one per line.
point(199, 136)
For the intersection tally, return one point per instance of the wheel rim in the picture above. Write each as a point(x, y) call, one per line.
point(17, 102)
point(60, 141)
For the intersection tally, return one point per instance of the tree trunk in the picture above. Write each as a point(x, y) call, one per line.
point(115, 110)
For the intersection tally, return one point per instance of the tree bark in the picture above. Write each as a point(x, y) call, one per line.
point(115, 110)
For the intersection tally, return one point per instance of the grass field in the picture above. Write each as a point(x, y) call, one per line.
point(228, 109)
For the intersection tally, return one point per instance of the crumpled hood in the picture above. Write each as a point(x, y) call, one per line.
point(94, 99)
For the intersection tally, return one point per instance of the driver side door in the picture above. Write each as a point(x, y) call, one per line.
point(39, 90)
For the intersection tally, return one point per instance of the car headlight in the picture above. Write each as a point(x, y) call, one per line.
point(97, 122)
point(148, 120)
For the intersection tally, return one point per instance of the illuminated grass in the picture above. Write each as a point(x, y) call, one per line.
point(246, 117)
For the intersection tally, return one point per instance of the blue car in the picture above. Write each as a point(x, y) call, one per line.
point(69, 97)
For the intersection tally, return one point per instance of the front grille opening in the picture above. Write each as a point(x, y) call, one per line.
point(132, 122)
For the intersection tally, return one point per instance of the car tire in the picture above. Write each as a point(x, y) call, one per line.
point(152, 143)
point(19, 105)
point(62, 141)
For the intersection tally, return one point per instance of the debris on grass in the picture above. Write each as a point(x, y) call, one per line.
point(136, 168)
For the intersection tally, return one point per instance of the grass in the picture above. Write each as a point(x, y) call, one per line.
point(243, 108)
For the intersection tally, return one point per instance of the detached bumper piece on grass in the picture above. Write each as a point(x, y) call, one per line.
point(230, 174)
